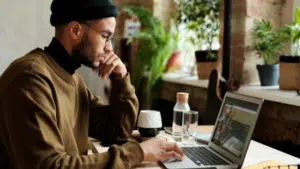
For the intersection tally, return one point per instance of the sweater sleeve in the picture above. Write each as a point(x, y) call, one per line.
point(116, 121)
point(33, 140)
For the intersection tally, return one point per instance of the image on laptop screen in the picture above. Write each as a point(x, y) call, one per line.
point(234, 124)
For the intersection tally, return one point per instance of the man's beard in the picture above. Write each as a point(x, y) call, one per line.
point(79, 52)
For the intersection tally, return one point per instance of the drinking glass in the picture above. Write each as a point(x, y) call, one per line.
point(177, 126)
point(189, 126)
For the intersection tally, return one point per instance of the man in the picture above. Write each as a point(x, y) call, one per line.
point(47, 113)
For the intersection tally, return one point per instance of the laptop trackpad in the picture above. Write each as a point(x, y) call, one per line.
point(185, 163)
point(171, 160)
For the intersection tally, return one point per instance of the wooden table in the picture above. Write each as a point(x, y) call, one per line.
point(257, 152)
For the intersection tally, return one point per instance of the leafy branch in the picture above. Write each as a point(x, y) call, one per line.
point(202, 18)
point(293, 31)
point(156, 43)
point(268, 42)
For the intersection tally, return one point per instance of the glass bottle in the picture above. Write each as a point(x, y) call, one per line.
point(180, 107)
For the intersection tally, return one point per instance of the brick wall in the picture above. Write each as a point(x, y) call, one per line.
point(122, 17)
point(277, 122)
point(237, 36)
point(258, 9)
point(243, 59)
point(164, 10)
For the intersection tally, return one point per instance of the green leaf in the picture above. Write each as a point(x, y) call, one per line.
point(156, 43)
point(268, 42)
point(297, 16)
point(201, 17)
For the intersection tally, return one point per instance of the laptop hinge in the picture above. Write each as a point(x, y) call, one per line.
point(220, 154)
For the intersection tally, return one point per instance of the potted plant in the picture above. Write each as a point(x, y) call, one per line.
point(290, 65)
point(268, 43)
point(202, 20)
point(156, 44)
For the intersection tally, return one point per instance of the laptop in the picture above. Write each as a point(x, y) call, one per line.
point(230, 138)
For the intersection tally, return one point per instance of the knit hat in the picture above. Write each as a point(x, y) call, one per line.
point(65, 11)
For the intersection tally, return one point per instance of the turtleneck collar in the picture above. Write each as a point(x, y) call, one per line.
point(62, 57)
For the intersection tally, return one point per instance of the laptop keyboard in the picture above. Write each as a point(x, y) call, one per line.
point(202, 156)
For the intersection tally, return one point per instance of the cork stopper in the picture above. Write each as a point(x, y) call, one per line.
point(182, 97)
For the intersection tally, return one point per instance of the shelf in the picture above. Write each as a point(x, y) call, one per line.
point(185, 79)
point(268, 93)
point(271, 93)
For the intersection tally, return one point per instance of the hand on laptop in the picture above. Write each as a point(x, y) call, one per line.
point(161, 150)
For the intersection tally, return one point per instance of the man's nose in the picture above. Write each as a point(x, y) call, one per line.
point(108, 46)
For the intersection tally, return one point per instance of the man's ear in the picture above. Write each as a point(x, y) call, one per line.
point(75, 30)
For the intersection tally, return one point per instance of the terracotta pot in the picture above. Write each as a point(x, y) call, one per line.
point(204, 64)
point(289, 75)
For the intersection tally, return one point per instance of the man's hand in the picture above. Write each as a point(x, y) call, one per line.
point(111, 63)
point(160, 150)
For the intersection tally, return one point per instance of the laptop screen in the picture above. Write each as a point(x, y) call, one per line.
point(233, 127)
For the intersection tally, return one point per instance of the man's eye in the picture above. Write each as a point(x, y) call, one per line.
point(105, 36)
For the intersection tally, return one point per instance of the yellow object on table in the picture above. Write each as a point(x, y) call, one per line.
point(271, 165)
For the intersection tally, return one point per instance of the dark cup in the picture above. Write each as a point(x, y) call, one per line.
point(148, 132)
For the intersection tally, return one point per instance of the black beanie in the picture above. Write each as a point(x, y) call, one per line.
point(65, 11)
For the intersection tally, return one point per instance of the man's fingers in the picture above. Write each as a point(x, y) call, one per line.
point(174, 147)
point(100, 70)
point(108, 55)
point(111, 60)
point(104, 64)
point(115, 63)
point(172, 154)
point(110, 65)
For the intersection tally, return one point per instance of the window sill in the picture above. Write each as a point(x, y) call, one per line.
point(185, 79)
point(268, 93)
point(271, 93)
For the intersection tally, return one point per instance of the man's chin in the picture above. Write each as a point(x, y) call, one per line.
point(96, 64)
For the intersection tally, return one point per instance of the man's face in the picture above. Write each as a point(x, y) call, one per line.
point(95, 41)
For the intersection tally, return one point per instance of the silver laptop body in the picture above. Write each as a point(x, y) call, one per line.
point(231, 135)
